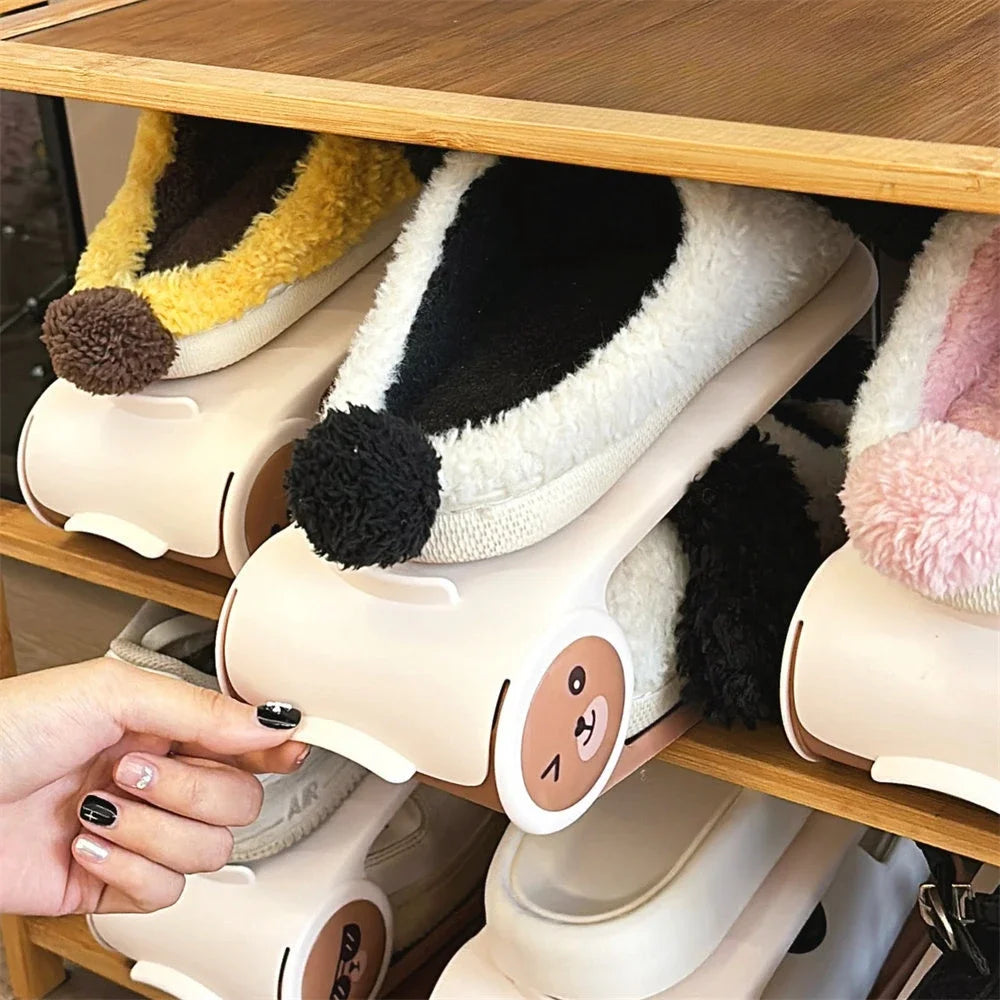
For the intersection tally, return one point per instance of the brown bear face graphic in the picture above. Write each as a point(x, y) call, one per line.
point(572, 722)
point(346, 957)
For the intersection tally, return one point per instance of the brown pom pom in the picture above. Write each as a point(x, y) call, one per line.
point(107, 341)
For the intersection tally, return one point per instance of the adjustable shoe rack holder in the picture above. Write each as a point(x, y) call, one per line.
point(515, 658)
point(304, 923)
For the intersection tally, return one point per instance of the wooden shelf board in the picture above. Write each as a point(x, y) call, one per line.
point(760, 759)
point(102, 562)
point(850, 97)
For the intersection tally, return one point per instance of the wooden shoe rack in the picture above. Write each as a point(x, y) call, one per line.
point(862, 98)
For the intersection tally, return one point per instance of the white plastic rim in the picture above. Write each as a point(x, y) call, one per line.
point(897, 652)
point(234, 531)
point(939, 776)
point(634, 897)
point(785, 693)
point(517, 802)
point(22, 473)
point(222, 675)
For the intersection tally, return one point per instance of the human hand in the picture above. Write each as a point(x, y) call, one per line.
point(168, 763)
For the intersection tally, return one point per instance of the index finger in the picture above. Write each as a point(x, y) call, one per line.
point(147, 702)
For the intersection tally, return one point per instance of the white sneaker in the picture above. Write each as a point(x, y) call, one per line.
point(183, 645)
point(430, 858)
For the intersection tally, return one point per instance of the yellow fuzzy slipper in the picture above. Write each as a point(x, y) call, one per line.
point(221, 236)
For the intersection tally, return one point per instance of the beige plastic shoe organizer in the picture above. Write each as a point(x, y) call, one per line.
point(193, 467)
point(507, 678)
point(642, 900)
point(880, 677)
point(305, 923)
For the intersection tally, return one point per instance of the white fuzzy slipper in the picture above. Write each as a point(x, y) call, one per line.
point(790, 482)
point(540, 326)
point(182, 645)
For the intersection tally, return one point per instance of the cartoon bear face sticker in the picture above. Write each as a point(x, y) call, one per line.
point(572, 722)
point(346, 957)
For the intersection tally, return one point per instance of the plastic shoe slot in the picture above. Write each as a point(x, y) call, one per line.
point(228, 934)
point(708, 907)
point(877, 676)
point(193, 466)
point(370, 661)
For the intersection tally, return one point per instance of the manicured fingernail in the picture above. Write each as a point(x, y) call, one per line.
point(134, 772)
point(98, 811)
point(301, 759)
point(278, 715)
point(89, 849)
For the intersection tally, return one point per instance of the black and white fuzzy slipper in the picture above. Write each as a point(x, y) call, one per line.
point(753, 530)
point(539, 327)
point(706, 597)
point(182, 645)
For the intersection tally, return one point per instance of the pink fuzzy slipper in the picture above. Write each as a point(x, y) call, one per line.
point(922, 496)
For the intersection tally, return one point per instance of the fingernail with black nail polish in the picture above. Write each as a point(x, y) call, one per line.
point(278, 715)
point(98, 811)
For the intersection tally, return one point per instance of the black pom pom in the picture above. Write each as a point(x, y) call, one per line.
point(751, 549)
point(364, 487)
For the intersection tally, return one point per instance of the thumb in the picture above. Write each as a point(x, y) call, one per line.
point(159, 705)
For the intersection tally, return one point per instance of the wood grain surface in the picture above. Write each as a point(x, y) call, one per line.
point(7, 6)
point(916, 69)
point(60, 13)
point(56, 618)
point(762, 759)
point(8, 666)
point(102, 562)
point(894, 100)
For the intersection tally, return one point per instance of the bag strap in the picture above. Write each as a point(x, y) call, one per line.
point(950, 908)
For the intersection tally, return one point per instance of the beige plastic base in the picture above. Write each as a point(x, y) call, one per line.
point(879, 677)
point(302, 925)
